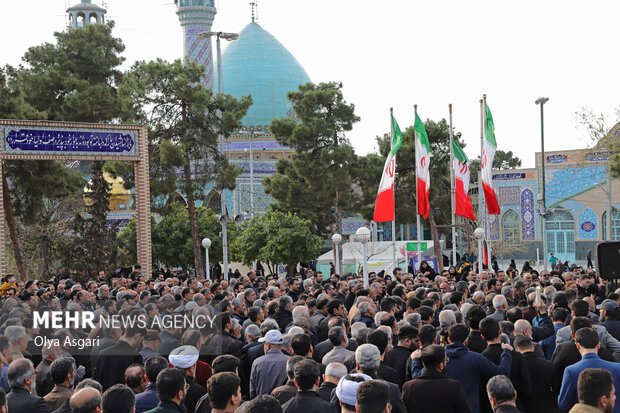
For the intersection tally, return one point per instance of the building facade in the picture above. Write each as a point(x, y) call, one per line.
point(576, 199)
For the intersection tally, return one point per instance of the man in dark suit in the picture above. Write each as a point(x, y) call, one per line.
point(540, 371)
point(148, 399)
point(432, 391)
point(566, 354)
point(21, 379)
point(113, 361)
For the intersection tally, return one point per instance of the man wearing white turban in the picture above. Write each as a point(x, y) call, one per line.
point(185, 358)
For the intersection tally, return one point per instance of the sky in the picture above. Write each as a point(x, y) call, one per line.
point(397, 53)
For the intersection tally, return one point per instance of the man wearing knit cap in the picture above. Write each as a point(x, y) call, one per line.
point(185, 357)
point(346, 391)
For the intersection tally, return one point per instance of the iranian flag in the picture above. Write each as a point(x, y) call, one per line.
point(384, 206)
point(485, 254)
point(488, 153)
point(422, 160)
point(460, 164)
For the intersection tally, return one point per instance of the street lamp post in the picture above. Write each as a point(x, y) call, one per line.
point(224, 219)
point(206, 243)
point(479, 234)
point(363, 236)
point(336, 240)
point(543, 207)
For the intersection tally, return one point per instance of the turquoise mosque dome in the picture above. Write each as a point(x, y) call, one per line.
point(258, 64)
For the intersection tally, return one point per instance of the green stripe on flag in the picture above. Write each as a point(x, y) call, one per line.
point(458, 152)
point(418, 127)
point(397, 137)
point(489, 128)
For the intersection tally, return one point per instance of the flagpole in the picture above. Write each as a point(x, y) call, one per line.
point(417, 203)
point(452, 190)
point(486, 232)
point(480, 191)
point(394, 191)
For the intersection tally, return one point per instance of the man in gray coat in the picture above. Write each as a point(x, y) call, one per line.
point(500, 305)
point(338, 338)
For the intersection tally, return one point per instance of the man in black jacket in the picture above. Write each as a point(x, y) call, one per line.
point(306, 400)
point(333, 373)
point(223, 342)
point(489, 328)
point(432, 391)
point(113, 361)
point(380, 340)
point(475, 342)
point(398, 358)
point(21, 379)
point(541, 377)
point(335, 308)
point(284, 316)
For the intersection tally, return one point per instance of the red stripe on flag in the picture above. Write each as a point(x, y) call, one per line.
point(384, 207)
point(463, 206)
point(489, 195)
point(486, 255)
point(423, 201)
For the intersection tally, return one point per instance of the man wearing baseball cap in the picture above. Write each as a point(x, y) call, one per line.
point(610, 314)
point(185, 357)
point(267, 370)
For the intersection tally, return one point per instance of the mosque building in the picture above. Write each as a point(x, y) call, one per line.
point(576, 186)
point(258, 64)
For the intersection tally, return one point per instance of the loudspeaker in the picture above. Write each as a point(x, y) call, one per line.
point(239, 219)
point(608, 260)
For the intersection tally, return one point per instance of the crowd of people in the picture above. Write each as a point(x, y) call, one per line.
point(416, 341)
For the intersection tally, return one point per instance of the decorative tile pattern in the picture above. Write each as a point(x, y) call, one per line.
point(259, 167)
point(199, 51)
point(509, 196)
point(262, 201)
point(256, 146)
point(492, 227)
point(564, 182)
point(588, 224)
point(527, 215)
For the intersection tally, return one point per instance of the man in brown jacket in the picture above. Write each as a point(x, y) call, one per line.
point(62, 371)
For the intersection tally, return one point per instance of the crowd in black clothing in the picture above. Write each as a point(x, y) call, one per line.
point(454, 341)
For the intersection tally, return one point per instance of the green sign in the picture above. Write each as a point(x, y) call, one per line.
point(413, 246)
